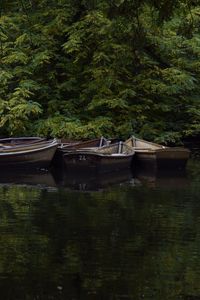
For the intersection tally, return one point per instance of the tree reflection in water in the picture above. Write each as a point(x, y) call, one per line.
point(122, 242)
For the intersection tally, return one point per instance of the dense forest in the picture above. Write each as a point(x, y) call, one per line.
point(81, 69)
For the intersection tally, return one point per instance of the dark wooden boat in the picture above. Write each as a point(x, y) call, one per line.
point(105, 159)
point(69, 146)
point(38, 155)
point(6, 147)
point(21, 143)
point(157, 155)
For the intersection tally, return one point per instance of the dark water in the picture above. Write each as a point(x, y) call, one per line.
point(114, 237)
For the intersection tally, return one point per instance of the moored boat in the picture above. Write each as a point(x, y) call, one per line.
point(66, 146)
point(105, 159)
point(38, 155)
point(16, 147)
point(157, 155)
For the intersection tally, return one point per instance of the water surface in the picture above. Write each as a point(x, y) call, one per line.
point(121, 236)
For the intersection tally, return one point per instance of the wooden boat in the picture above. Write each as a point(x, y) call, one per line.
point(21, 143)
point(38, 155)
point(105, 159)
point(157, 155)
point(6, 147)
point(69, 146)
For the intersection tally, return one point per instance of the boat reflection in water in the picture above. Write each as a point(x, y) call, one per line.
point(33, 178)
point(165, 178)
point(61, 178)
point(92, 181)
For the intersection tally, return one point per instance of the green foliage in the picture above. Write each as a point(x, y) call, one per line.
point(61, 126)
point(86, 68)
point(15, 114)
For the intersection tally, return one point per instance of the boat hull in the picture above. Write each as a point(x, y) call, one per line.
point(33, 158)
point(163, 158)
point(97, 163)
point(71, 146)
point(148, 154)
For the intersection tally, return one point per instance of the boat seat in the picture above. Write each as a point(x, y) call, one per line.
point(140, 148)
point(145, 150)
point(118, 154)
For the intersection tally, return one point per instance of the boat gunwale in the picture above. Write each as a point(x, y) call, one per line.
point(97, 151)
point(54, 142)
point(167, 149)
point(131, 139)
point(161, 148)
point(20, 147)
point(72, 145)
point(90, 153)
